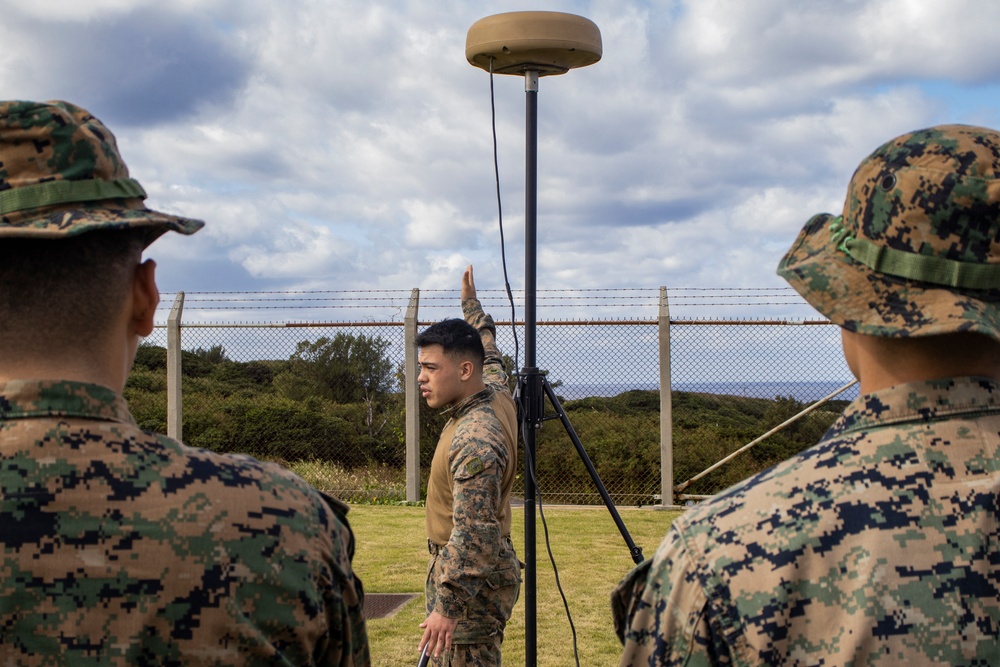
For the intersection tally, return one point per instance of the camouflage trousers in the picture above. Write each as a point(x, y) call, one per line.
point(479, 634)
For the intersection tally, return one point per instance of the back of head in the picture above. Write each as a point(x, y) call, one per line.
point(457, 338)
point(916, 251)
point(65, 290)
point(72, 222)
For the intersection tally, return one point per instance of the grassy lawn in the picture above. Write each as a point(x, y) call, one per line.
point(590, 554)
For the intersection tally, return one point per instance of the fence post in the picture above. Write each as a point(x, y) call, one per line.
point(666, 406)
point(174, 401)
point(412, 400)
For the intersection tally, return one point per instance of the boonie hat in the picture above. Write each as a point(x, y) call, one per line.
point(61, 175)
point(916, 251)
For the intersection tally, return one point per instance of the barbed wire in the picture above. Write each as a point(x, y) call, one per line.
point(397, 299)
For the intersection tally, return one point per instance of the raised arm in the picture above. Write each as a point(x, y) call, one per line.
point(493, 368)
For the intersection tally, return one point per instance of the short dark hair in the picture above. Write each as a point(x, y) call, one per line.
point(457, 337)
point(65, 288)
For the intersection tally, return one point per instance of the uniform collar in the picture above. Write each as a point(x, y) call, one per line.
point(25, 399)
point(461, 407)
point(920, 401)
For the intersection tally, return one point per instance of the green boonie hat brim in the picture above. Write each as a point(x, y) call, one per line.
point(859, 299)
point(73, 221)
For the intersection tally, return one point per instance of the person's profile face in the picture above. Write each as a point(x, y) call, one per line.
point(441, 376)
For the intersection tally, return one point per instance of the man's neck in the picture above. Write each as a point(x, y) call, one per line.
point(81, 367)
point(886, 362)
point(472, 391)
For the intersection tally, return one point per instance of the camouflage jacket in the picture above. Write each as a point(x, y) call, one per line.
point(878, 546)
point(472, 473)
point(123, 547)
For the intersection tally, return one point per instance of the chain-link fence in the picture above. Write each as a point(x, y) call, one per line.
point(327, 400)
point(733, 381)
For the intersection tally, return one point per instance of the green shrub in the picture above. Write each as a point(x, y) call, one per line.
point(150, 357)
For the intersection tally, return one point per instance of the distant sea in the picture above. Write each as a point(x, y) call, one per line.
point(800, 391)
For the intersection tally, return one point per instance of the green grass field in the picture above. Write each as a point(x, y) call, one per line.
point(590, 554)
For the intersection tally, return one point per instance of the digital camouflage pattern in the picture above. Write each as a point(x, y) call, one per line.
point(916, 251)
point(474, 574)
point(479, 634)
point(61, 174)
point(123, 547)
point(878, 546)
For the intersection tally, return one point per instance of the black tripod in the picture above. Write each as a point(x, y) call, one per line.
point(533, 418)
point(533, 387)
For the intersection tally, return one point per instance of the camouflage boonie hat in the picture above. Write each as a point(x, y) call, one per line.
point(917, 249)
point(61, 175)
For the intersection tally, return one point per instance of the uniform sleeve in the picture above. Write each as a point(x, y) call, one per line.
point(478, 460)
point(348, 636)
point(661, 612)
point(493, 369)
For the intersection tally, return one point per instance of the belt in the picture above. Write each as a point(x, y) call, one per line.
point(433, 549)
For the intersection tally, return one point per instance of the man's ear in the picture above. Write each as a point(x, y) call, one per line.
point(467, 369)
point(145, 297)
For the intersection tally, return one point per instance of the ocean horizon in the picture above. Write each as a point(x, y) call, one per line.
point(806, 392)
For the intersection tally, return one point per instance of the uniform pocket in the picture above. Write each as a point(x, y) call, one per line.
point(503, 576)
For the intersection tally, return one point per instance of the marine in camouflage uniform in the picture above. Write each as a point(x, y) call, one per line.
point(878, 546)
point(474, 575)
point(121, 546)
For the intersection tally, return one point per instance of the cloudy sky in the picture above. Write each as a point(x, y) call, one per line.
point(346, 144)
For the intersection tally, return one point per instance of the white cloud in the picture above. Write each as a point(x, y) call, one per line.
point(297, 251)
point(348, 144)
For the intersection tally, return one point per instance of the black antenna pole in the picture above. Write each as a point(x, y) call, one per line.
point(530, 375)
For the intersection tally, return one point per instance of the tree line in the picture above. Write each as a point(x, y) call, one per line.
point(340, 400)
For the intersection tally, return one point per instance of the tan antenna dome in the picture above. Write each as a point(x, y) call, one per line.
point(544, 42)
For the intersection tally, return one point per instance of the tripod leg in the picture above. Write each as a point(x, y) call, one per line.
point(634, 550)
